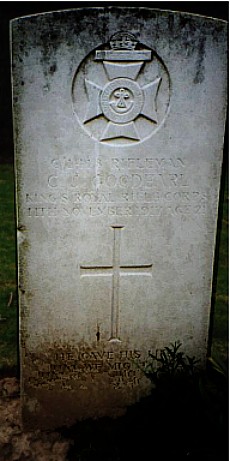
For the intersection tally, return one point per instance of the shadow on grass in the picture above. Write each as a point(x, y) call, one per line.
point(186, 425)
point(186, 417)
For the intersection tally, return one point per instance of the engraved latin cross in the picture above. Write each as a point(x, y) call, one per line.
point(116, 270)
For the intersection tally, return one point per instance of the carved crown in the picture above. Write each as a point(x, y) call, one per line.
point(123, 41)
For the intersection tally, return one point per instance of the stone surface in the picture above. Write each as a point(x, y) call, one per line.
point(119, 122)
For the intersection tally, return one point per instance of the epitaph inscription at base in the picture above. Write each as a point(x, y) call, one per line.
point(118, 121)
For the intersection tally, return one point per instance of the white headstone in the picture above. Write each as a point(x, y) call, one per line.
point(119, 121)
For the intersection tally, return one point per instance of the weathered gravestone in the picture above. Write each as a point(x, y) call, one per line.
point(119, 123)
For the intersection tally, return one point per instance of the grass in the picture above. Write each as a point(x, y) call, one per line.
point(8, 283)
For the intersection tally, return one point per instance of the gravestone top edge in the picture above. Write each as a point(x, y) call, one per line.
point(127, 8)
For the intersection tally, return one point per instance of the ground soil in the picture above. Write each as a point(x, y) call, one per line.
point(18, 445)
point(161, 427)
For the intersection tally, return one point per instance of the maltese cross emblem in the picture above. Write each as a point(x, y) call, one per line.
point(119, 100)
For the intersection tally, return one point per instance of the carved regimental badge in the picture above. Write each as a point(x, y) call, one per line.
point(121, 91)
